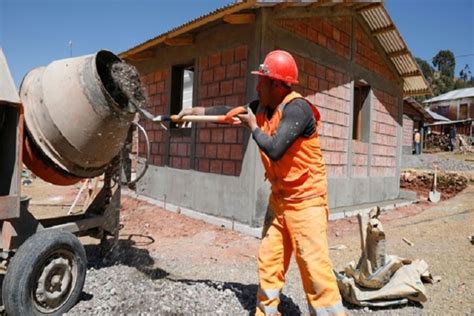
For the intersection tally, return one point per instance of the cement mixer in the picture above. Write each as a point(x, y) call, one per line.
point(69, 122)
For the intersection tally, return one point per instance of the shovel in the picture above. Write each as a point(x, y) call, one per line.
point(434, 195)
point(231, 118)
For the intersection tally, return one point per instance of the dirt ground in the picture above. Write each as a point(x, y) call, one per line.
point(439, 234)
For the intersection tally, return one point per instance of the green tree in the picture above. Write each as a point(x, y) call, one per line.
point(465, 79)
point(465, 74)
point(442, 85)
point(426, 68)
point(445, 62)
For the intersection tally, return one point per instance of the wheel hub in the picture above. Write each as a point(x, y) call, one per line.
point(54, 284)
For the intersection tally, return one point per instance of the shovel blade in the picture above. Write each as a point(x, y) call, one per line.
point(434, 196)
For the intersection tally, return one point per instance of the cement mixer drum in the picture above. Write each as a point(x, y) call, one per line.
point(76, 116)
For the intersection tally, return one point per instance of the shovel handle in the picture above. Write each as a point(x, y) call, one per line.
point(231, 118)
point(220, 119)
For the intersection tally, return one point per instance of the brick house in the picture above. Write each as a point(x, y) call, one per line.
point(456, 105)
point(353, 65)
point(414, 117)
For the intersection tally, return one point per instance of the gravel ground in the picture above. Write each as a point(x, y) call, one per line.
point(169, 264)
point(193, 268)
point(445, 162)
point(128, 281)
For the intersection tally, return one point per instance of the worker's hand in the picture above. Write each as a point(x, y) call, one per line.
point(249, 120)
point(189, 111)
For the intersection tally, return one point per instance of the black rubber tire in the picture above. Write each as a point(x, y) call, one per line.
point(28, 263)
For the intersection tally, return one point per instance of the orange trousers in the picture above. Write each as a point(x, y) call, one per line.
point(305, 233)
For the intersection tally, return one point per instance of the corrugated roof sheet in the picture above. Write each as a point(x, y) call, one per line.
point(436, 116)
point(453, 95)
point(373, 13)
point(8, 92)
point(386, 33)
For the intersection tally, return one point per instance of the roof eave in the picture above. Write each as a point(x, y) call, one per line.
point(211, 17)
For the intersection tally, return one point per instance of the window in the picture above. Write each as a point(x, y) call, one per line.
point(182, 88)
point(361, 118)
point(463, 112)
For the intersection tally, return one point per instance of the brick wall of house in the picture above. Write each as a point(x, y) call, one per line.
point(384, 134)
point(333, 34)
point(219, 148)
point(407, 131)
point(367, 56)
point(329, 90)
point(156, 87)
point(222, 81)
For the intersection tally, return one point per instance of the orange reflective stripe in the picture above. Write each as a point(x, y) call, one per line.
point(300, 175)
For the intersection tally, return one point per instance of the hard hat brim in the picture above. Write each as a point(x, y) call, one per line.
point(260, 73)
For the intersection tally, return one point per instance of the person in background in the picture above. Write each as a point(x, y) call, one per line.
point(285, 128)
point(452, 138)
point(417, 140)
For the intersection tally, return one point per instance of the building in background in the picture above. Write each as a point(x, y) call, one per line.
point(354, 65)
point(458, 107)
point(414, 117)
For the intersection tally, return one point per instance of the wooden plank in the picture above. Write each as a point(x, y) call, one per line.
point(239, 18)
point(412, 74)
point(384, 30)
point(398, 53)
point(9, 207)
point(319, 4)
point(414, 93)
point(366, 7)
point(180, 41)
point(8, 233)
point(282, 6)
point(143, 55)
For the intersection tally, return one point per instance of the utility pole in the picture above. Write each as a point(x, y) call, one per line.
point(70, 48)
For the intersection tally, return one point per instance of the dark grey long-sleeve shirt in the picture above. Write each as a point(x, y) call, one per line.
point(297, 121)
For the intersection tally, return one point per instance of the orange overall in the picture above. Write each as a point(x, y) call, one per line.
point(296, 221)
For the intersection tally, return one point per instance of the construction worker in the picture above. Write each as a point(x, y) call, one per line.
point(284, 127)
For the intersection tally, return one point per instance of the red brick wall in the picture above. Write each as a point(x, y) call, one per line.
point(329, 90)
point(219, 149)
point(360, 157)
point(333, 34)
point(407, 131)
point(384, 134)
point(156, 86)
point(367, 55)
point(222, 81)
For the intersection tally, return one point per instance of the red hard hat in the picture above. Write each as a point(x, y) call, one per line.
point(279, 65)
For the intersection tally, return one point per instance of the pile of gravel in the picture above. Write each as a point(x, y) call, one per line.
point(122, 289)
point(426, 161)
point(128, 284)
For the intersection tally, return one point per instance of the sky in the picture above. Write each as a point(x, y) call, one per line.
point(33, 33)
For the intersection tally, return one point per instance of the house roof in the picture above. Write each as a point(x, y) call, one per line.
point(453, 95)
point(419, 108)
point(449, 122)
point(373, 13)
point(8, 92)
point(436, 116)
